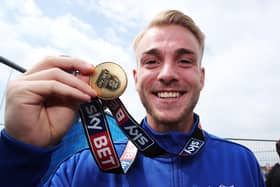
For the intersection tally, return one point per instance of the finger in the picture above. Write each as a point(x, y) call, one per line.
point(43, 89)
point(63, 77)
point(65, 63)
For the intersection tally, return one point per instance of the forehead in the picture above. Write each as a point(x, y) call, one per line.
point(168, 38)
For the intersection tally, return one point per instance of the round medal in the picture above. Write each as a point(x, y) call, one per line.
point(109, 80)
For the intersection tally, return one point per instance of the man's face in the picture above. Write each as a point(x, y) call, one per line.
point(169, 77)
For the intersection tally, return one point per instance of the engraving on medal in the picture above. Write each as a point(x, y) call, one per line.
point(107, 80)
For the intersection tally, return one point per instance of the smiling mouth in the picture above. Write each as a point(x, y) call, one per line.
point(168, 94)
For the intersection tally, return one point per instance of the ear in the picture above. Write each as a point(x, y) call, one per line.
point(202, 77)
point(134, 71)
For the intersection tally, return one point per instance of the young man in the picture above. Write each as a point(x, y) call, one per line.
point(42, 104)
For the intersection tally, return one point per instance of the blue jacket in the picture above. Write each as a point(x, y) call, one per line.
point(219, 163)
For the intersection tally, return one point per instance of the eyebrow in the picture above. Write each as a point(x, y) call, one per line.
point(152, 51)
point(178, 53)
point(184, 51)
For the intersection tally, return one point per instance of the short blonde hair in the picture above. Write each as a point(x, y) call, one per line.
point(173, 17)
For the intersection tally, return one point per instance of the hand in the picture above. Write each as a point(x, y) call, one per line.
point(42, 104)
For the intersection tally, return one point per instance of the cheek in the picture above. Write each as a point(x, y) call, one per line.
point(199, 80)
point(138, 80)
point(142, 79)
point(147, 79)
point(193, 79)
point(140, 83)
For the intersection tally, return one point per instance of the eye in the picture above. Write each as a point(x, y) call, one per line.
point(150, 62)
point(185, 62)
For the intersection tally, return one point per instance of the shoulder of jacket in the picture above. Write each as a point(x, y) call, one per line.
point(227, 143)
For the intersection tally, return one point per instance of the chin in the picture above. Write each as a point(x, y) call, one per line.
point(167, 119)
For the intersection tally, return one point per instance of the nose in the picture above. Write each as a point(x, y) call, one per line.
point(167, 73)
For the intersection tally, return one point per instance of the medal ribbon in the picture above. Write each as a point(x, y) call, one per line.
point(100, 141)
point(101, 144)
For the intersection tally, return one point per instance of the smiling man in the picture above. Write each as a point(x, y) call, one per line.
point(169, 78)
point(169, 74)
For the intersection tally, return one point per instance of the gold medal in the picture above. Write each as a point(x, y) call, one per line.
point(109, 80)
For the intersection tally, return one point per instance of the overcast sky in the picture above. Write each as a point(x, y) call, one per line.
point(241, 94)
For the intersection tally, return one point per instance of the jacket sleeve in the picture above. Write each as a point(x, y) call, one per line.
point(22, 164)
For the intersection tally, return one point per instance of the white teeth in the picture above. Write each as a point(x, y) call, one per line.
point(168, 94)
